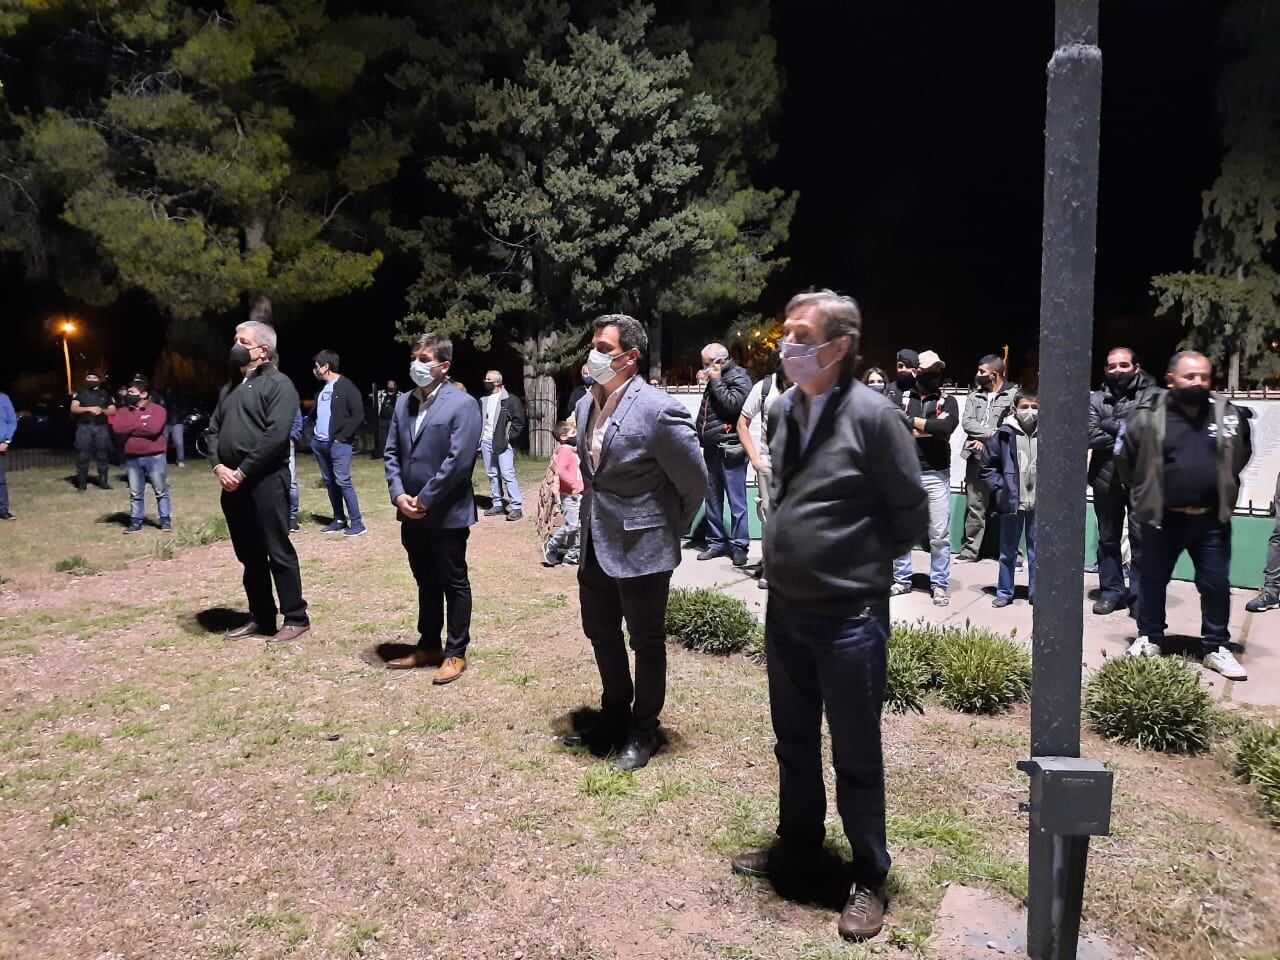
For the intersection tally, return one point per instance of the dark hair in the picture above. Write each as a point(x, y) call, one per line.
point(631, 332)
point(1133, 357)
point(841, 317)
point(441, 347)
point(866, 377)
point(561, 430)
point(994, 362)
point(140, 382)
point(1025, 393)
point(1182, 355)
point(327, 358)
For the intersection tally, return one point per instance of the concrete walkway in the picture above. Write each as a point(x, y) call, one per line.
point(973, 586)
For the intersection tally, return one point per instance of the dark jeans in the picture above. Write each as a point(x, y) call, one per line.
point(144, 470)
point(837, 663)
point(724, 479)
point(335, 470)
point(1011, 529)
point(258, 517)
point(642, 603)
point(438, 559)
point(4, 485)
point(1111, 508)
point(92, 442)
point(177, 433)
point(1208, 541)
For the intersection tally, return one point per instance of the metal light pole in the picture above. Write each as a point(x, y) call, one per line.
point(1070, 797)
point(67, 329)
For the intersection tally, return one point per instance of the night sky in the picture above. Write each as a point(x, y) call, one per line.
point(914, 133)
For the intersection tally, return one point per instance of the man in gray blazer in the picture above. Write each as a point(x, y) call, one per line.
point(644, 478)
point(430, 452)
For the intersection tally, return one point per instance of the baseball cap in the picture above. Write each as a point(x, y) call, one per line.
point(909, 357)
point(929, 360)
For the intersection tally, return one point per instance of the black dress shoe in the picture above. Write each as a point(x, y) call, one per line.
point(250, 629)
point(600, 738)
point(711, 553)
point(637, 753)
point(1104, 605)
point(739, 558)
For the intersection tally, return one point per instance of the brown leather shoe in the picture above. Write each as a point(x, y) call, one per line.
point(778, 860)
point(450, 670)
point(751, 863)
point(863, 915)
point(417, 658)
point(250, 629)
point(289, 632)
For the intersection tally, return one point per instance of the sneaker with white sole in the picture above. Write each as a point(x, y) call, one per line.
point(1264, 601)
point(899, 589)
point(940, 597)
point(1221, 661)
point(1142, 647)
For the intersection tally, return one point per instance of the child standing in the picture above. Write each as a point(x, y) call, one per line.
point(1009, 468)
point(562, 546)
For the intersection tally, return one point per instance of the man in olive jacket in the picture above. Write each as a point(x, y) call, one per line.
point(248, 436)
point(1181, 457)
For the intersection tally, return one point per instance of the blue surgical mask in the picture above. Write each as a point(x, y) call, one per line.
point(421, 373)
point(877, 387)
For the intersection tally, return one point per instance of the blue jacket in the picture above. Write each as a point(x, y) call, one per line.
point(8, 419)
point(648, 485)
point(435, 466)
point(1000, 469)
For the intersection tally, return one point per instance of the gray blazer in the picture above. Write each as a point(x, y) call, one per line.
point(648, 485)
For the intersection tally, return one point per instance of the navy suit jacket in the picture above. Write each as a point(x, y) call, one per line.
point(435, 466)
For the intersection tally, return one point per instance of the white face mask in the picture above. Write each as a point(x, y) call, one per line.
point(421, 373)
point(1028, 416)
point(600, 367)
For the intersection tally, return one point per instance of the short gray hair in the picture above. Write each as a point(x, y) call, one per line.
point(631, 332)
point(841, 316)
point(717, 351)
point(263, 334)
point(496, 373)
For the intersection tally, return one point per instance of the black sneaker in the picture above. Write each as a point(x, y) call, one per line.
point(1105, 605)
point(1264, 601)
point(712, 552)
point(494, 512)
point(166, 525)
point(133, 528)
point(515, 515)
point(1001, 601)
point(7, 516)
point(739, 558)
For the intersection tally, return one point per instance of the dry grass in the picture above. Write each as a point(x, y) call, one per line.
point(164, 792)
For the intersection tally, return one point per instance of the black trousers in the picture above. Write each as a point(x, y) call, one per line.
point(1111, 508)
point(258, 517)
point(642, 602)
point(836, 664)
point(438, 559)
point(92, 442)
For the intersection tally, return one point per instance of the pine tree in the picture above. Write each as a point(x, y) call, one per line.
point(216, 156)
point(585, 168)
point(1231, 304)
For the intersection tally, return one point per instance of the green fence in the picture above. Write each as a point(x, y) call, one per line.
point(1249, 538)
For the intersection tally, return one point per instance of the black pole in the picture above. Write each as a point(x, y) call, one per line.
point(1056, 865)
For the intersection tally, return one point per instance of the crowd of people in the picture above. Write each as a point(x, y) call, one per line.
point(852, 474)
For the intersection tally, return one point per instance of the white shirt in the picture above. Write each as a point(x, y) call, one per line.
point(754, 407)
point(490, 405)
point(423, 406)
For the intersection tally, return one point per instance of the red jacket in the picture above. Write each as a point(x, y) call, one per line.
point(565, 461)
point(143, 428)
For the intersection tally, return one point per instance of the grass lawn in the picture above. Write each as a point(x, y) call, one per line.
point(165, 792)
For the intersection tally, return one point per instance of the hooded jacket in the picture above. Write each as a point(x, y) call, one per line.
point(1108, 409)
point(1001, 470)
point(1139, 456)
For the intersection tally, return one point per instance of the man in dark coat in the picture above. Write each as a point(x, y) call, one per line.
point(727, 386)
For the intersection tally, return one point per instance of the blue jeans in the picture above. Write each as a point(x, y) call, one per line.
point(565, 540)
point(504, 464)
point(1010, 537)
point(144, 470)
point(335, 469)
point(937, 485)
point(4, 485)
point(726, 479)
point(1208, 541)
point(177, 435)
point(836, 663)
point(295, 499)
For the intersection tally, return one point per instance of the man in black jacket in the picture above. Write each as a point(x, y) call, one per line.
point(1128, 387)
point(337, 415)
point(248, 437)
point(502, 422)
point(846, 499)
point(726, 391)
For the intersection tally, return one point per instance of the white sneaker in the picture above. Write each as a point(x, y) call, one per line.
point(1142, 647)
point(1221, 661)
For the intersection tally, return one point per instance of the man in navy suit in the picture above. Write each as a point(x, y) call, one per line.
point(644, 478)
point(430, 452)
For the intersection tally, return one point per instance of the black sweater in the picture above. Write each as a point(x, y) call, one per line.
point(844, 506)
point(346, 410)
point(249, 429)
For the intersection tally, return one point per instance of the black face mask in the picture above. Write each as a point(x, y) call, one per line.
point(490, 387)
point(927, 382)
point(92, 384)
point(240, 355)
point(906, 379)
point(1122, 382)
point(571, 441)
point(985, 381)
point(131, 400)
point(1191, 396)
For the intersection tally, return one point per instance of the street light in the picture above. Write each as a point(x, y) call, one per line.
point(67, 329)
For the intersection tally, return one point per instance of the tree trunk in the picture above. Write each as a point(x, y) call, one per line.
point(539, 389)
point(655, 349)
point(255, 234)
point(1233, 369)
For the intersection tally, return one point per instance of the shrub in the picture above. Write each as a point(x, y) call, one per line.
point(77, 566)
point(907, 676)
point(922, 643)
point(1258, 762)
point(754, 647)
point(982, 672)
point(709, 621)
point(1155, 703)
point(210, 531)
